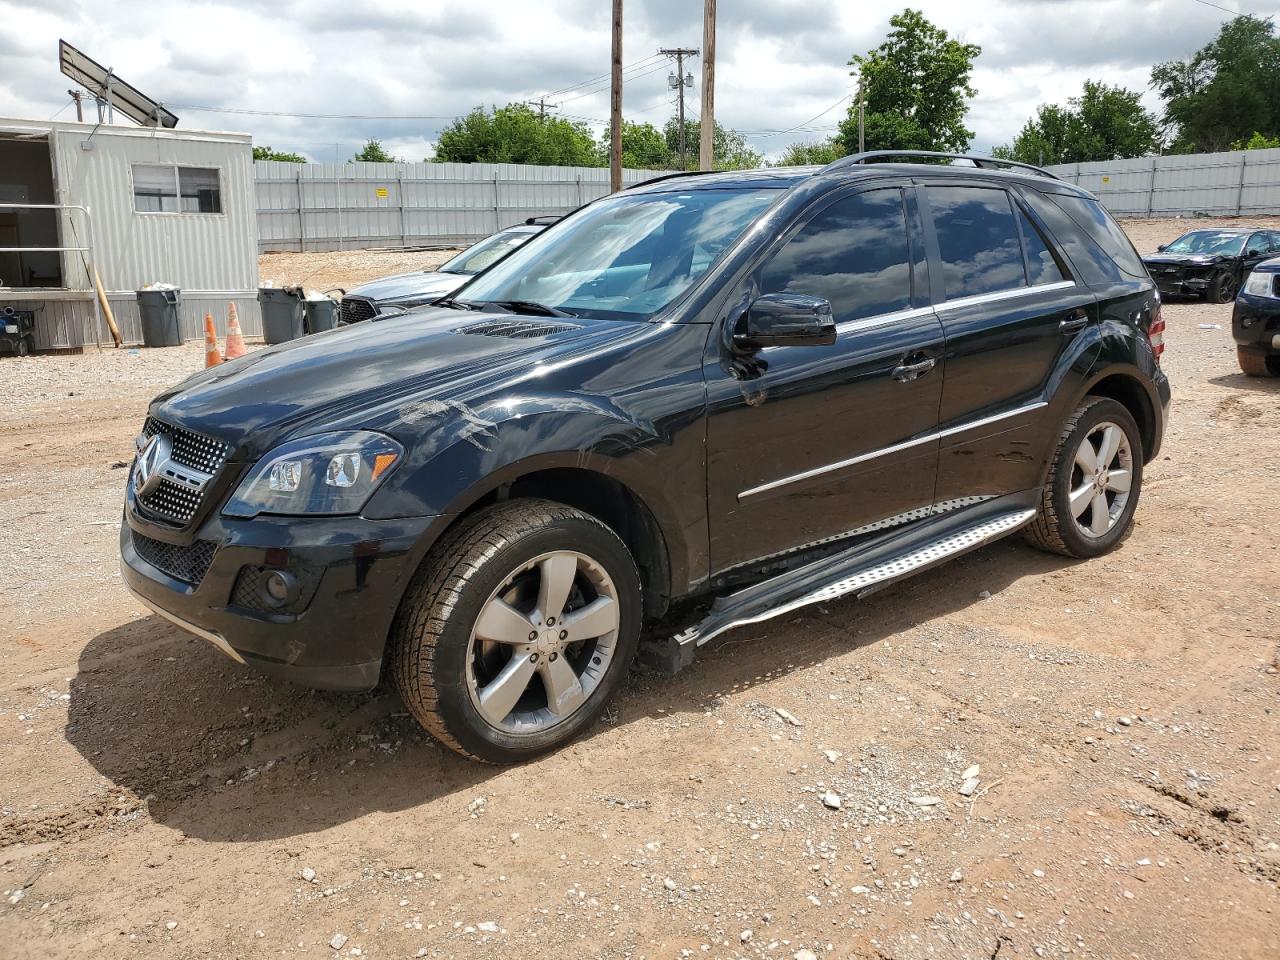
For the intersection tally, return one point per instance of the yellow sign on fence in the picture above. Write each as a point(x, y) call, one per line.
point(380, 193)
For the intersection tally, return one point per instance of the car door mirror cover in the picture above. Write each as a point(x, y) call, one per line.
point(785, 320)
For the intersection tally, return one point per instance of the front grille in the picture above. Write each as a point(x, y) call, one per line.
point(515, 329)
point(188, 564)
point(355, 309)
point(174, 501)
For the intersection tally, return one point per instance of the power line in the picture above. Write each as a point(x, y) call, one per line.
point(634, 76)
point(1234, 13)
point(595, 80)
point(309, 116)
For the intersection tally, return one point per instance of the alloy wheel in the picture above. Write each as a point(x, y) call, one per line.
point(1227, 290)
point(1101, 477)
point(543, 642)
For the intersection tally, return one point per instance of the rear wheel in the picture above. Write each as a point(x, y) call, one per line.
point(1224, 287)
point(24, 347)
point(1092, 489)
point(518, 630)
point(1257, 364)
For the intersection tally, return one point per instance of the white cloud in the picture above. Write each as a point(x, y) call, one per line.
point(781, 61)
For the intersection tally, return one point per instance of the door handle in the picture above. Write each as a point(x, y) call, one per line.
point(1074, 322)
point(906, 372)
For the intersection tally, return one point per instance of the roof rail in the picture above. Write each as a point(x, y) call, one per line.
point(879, 156)
point(669, 176)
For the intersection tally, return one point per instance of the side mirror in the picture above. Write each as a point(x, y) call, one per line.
point(786, 320)
point(1160, 249)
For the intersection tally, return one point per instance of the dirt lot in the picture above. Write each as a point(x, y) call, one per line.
point(158, 800)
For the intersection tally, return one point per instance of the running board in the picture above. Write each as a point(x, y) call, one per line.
point(860, 570)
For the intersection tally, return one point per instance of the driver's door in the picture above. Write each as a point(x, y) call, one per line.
point(811, 442)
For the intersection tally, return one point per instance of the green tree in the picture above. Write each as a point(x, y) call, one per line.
point(1257, 142)
point(916, 87)
point(516, 134)
point(270, 153)
point(1228, 90)
point(373, 152)
point(1103, 123)
point(729, 149)
point(643, 147)
point(804, 154)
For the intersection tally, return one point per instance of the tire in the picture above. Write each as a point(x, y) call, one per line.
point(499, 562)
point(1057, 527)
point(1224, 288)
point(1257, 364)
point(23, 348)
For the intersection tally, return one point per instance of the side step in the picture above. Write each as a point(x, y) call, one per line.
point(860, 570)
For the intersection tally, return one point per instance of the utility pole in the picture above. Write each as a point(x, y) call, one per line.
point(706, 146)
point(76, 95)
point(541, 103)
point(862, 115)
point(680, 81)
point(615, 104)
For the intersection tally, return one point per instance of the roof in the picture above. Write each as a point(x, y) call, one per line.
point(1238, 231)
point(29, 127)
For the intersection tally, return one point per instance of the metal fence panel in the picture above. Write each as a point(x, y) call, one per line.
point(1237, 183)
point(328, 206)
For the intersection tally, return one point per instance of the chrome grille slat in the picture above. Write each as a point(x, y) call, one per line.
point(173, 501)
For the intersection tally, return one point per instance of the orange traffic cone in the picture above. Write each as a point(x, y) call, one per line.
point(211, 355)
point(235, 338)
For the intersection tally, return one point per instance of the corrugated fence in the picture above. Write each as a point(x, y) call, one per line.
point(338, 206)
point(1238, 183)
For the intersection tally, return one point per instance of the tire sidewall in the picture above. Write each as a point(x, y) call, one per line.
point(471, 730)
point(1078, 543)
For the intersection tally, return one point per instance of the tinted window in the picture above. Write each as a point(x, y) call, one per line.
point(1041, 266)
point(1086, 258)
point(978, 240)
point(854, 253)
point(1258, 243)
point(1104, 231)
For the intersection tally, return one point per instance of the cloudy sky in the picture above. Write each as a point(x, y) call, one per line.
point(416, 64)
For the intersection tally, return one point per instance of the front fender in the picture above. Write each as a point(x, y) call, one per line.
point(467, 452)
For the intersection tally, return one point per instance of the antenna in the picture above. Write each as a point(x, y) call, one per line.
point(107, 88)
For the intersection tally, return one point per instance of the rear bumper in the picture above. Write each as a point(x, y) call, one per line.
point(353, 573)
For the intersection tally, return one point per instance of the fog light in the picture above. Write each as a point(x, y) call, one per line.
point(281, 587)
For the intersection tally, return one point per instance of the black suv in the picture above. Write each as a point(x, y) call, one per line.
point(1211, 264)
point(770, 388)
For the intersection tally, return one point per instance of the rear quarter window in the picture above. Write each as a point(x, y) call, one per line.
point(1089, 260)
point(1094, 220)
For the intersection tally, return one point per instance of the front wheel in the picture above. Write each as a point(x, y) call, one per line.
point(518, 630)
point(1224, 287)
point(1257, 364)
point(1092, 489)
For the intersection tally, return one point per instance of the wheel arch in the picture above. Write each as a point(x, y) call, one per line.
point(607, 498)
point(1127, 389)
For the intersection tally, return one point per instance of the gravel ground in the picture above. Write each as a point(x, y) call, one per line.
point(158, 800)
point(343, 270)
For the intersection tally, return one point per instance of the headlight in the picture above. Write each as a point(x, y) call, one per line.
point(1260, 284)
point(326, 474)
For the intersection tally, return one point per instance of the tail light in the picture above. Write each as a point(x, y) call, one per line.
point(1155, 332)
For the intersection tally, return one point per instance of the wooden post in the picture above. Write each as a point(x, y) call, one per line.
point(706, 151)
point(615, 104)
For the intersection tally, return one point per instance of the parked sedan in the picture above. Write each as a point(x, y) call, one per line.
point(405, 290)
point(1211, 264)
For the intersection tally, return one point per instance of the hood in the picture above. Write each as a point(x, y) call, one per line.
point(358, 376)
point(405, 285)
point(1183, 259)
point(1269, 266)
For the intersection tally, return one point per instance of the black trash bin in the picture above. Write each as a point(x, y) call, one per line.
point(282, 313)
point(159, 312)
point(321, 315)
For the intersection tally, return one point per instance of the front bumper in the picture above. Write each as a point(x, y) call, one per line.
point(1177, 285)
point(1255, 323)
point(352, 571)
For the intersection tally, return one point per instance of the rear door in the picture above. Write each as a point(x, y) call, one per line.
point(1008, 307)
point(807, 443)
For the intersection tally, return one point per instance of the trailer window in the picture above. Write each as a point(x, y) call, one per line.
point(169, 188)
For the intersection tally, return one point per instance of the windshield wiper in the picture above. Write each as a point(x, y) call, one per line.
point(452, 304)
point(532, 306)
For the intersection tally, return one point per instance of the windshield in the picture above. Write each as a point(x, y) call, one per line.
point(625, 257)
point(485, 253)
point(1208, 243)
